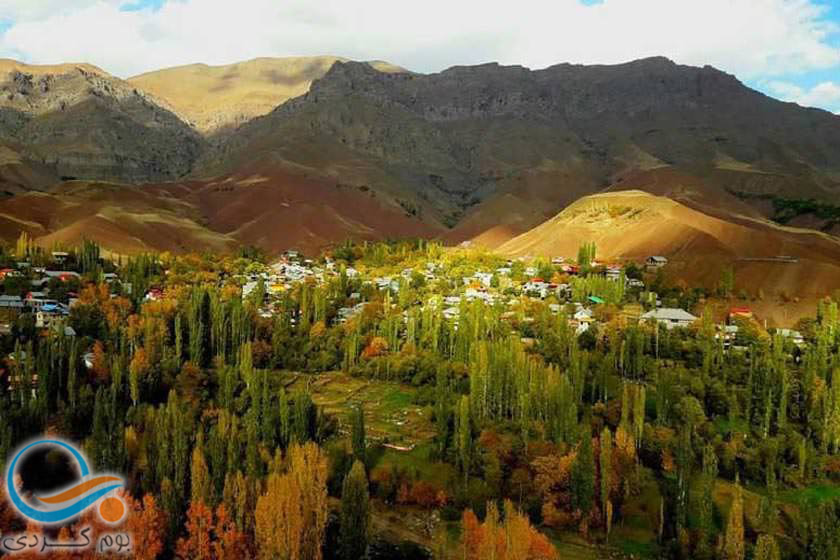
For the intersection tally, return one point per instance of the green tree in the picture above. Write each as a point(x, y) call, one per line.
point(733, 540)
point(355, 513)
point(583, 475)
point(605, 461)
point(358, 434)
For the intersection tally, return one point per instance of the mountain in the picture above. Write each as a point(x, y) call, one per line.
point(271, 210)
point(77, 121)
point(307, 151)
point(216, 99)
point(634, 224)
point(463, 145)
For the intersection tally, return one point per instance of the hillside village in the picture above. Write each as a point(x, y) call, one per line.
point(579, 290)
point(473, 376)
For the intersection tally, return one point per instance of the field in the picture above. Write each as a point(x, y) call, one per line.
point(390, 416)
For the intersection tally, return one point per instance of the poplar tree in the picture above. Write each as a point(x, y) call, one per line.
point(358, 434)
point(355, 513)
point(583, 475)
point(733, 540)
point(605, 460)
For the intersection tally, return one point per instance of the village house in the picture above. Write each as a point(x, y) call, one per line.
point(49, 314)
point(740, 312)
point(11, 302)
point(655, 262)
point(153, 295)
point(479, 294)
point(613, 272)
point(792, 335)
point(63, 275)
point(670, 317)
point(451, 313)
point(36, 300)
point(536, 287)
point(347, 313)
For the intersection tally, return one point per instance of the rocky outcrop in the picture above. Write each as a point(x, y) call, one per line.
point(461, 136)
point(83, 123)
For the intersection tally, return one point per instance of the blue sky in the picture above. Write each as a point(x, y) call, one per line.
point(789, 49)
point(142, 5)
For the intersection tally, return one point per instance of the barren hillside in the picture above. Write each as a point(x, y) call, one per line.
point(219, 98)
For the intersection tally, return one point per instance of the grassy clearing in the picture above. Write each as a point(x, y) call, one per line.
point(418, 460)
point(390, 416)
point(811, 495)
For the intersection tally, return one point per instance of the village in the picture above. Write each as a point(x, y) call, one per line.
point(508, 286)
point(47, 293)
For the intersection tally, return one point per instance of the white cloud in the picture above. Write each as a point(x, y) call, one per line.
point(825, 94)
point(751, 38)
point(28, 10)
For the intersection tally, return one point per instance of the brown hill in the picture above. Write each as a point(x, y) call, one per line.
point(219, 98)
point(272, 209)
point(635, 224)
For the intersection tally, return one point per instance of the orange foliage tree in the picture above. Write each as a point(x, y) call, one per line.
point(146, 524)
point(510, 539)
point(211, 536)
point(377, 347)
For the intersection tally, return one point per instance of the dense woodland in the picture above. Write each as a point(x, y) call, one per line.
point(551, 436)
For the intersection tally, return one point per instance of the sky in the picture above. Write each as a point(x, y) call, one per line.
point(789, 49)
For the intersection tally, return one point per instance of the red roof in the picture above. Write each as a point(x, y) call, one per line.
point(537, 280)
point(740, 311)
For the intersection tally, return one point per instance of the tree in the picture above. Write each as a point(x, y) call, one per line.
point(358, 434)
point(464, 435)
point(211, 536)
point(605, 461)
point(231, 543)
point(355, 513)
point(198, 543)
point(766, 548)
point(733, 540)
point(583, 479)
point(201, 484)
point(511, 539)
point(137, 370)
point(147, 525)
point(291, 515)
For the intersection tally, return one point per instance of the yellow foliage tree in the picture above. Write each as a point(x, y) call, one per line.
point(291, 515)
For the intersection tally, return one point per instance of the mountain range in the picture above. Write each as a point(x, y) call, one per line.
point(305, 152)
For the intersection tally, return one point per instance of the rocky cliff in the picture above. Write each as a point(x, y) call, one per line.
point(81, 122)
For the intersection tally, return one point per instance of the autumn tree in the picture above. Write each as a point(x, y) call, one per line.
point(512, 538)
point(291, 515)
point(766, 548)
point(211, 535)
point(201, 484)
point(197, 545)
point(146, 524)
